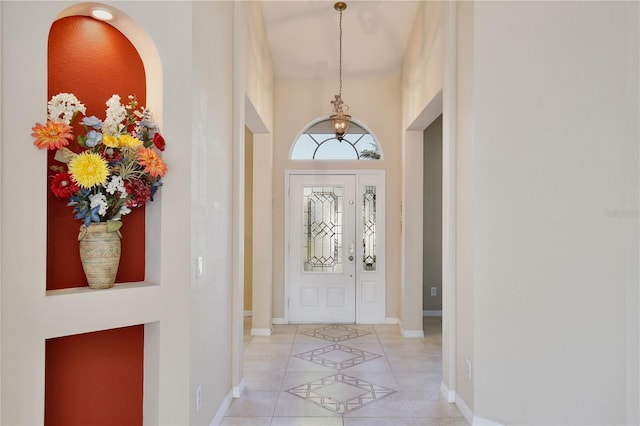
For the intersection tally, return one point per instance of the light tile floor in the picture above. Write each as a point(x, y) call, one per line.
point(343, 375)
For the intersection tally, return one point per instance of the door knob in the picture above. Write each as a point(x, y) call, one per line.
point(351, 258)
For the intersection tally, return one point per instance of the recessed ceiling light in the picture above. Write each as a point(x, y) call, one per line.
point(102, 14)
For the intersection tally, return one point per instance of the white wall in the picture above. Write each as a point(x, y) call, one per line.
point(262, 232)
point(191, 96)
point(429, 83)
point(541, 109)
point(555, 153)
point(29, 314)
point(0, 224)
point(423, 65)
point(211, 217)
point(253, 108)
point(376, 103)
point(465, 215)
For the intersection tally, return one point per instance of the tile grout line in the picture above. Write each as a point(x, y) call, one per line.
point(284, 373)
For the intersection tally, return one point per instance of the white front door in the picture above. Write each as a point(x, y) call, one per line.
point(322, 248)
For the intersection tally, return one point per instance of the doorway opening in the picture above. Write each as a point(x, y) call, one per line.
point(248, 235)
point(432, 220)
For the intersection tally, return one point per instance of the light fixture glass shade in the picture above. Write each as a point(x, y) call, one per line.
point(340, 123)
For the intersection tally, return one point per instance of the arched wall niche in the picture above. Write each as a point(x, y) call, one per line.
point(148, 53)
point(143, 44)
point(92, 60)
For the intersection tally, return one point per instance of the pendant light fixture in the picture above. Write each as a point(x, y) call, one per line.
point(339, 120)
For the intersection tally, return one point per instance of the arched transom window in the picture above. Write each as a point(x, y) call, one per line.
point(318, 142)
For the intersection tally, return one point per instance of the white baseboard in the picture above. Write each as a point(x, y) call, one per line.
point(261, 332)
point(479, 421)
point(371, 321)
point(237, 390)
point(411, 334)
point(222, 410)
point(468, 414)
point(464, 409)
point(388, 320)
point(448, 394)
point(248, 313)
point(431, 313)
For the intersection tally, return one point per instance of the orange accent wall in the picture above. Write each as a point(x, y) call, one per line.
point(92, 60)
point(89, 378)
point(94, 378)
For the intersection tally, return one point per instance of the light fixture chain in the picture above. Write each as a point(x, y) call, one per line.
point(339, 120)
point(340, 91)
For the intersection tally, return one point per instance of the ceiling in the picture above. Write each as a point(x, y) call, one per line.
point(304, 38)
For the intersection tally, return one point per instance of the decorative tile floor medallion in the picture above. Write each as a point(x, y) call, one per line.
point(338, 356)
point(340, 393)
point(335, 333)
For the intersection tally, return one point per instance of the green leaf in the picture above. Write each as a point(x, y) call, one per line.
point(113, 225)
point(82, 140)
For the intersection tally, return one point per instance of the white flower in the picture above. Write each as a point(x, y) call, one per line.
point(63, 106)
point(116, 114)
point(116, 184)
point(99, 200)
point(124, 210)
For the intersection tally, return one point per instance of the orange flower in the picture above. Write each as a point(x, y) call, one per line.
point(54, 135)
point(153, 164)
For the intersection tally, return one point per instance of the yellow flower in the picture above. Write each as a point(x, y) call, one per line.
point(89, 169)
point(152, 164)
point(129, 141)
point(110, 141)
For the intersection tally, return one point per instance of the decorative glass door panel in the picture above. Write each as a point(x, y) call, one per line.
point(322, 248)
point(322, 229)
point(369, 228)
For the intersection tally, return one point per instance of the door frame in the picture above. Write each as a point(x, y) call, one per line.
point(370, 309)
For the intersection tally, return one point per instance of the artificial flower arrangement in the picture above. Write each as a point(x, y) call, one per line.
point(117, 167)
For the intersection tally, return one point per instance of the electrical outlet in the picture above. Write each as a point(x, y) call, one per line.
point(468, 369)
point(198, 397)
point(434, 291)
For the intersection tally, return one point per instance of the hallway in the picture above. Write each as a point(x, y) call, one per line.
point(343, 375)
